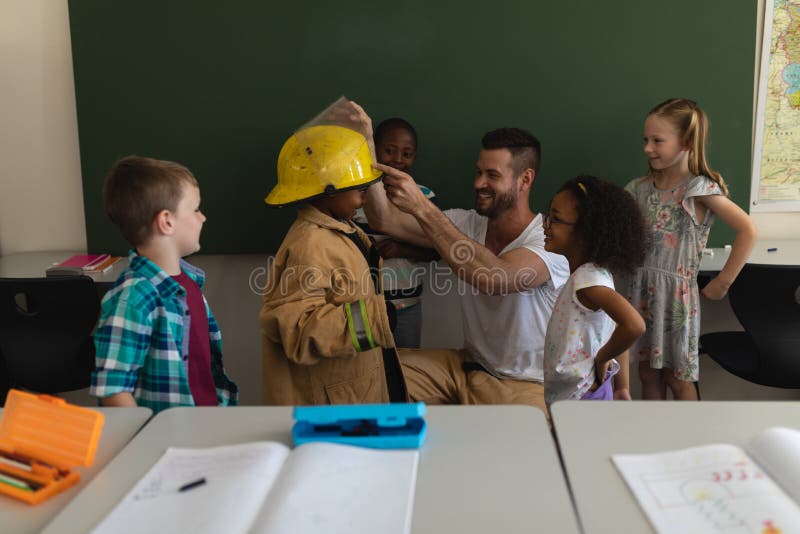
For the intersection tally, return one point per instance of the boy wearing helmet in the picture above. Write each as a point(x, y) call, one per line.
point(326, 337)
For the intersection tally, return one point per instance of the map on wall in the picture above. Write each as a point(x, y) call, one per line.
point(776, 158)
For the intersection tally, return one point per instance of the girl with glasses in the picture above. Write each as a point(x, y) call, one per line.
point(599, 228)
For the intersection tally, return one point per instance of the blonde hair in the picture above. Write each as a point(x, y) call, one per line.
point(692, 124)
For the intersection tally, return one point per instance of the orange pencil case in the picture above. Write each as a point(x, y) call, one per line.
point(41, 439)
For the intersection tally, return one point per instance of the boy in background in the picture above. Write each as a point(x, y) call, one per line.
point(326, 334)
point(157, 343)
point(404, 264)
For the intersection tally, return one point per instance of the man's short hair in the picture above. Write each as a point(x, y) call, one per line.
point(526, 150)
point(136, 189)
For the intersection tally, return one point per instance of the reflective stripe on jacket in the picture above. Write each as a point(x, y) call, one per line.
point(324, 326)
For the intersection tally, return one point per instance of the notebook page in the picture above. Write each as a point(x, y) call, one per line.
point(238, 478)
point(777, 451)
point(325, 487)
point(715, 488)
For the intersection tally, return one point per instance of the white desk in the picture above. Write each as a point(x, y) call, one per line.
point(482, 468)
point(121, 424)
point(590, 432)
point(787, 253)
point(34, 264)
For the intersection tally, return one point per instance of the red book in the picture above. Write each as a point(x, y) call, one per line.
point(85, 261)
point(104, 265)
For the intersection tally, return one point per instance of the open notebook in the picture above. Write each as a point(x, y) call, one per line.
point(267, 487)
point(720, 488)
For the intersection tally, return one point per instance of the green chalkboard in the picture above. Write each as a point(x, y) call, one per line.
point(219, 86)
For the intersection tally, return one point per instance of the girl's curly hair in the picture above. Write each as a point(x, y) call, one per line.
point(610, 224)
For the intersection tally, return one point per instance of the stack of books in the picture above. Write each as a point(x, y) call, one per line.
point(83, 264)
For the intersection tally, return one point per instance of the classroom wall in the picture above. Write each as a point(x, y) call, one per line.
point(41, 201)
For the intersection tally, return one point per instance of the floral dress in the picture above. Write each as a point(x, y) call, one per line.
point(665, 289)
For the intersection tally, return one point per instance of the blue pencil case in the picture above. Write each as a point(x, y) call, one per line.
point(376, 426)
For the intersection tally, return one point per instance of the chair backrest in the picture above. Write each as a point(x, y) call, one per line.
point(765, 300)
point(45, 332)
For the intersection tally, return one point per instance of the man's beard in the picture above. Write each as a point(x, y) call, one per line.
point(500, 203)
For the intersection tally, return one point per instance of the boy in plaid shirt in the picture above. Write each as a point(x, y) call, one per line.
point(157, 343)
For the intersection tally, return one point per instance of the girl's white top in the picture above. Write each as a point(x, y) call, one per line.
point(574, 335)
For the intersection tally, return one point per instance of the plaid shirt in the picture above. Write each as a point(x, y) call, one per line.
point(140, 343)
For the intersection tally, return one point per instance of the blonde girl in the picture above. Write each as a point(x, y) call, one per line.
point(680, 198)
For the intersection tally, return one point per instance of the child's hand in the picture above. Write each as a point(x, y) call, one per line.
point(716, 289)
point(389, 248)
point(360, 116)
point(600, 370)
point(622, 394)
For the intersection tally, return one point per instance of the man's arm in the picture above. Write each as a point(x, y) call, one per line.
point(515, 271)
point(385, 217)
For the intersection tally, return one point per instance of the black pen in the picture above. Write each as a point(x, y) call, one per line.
point(192, 484)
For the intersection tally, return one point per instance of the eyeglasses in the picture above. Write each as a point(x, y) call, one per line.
point(547, 221)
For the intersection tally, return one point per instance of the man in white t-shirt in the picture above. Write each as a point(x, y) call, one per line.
point(509, 282)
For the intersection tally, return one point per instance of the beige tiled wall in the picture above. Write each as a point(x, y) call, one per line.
point(41, 198)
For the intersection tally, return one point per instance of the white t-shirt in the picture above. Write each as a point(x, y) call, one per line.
point(574, 336)
point(505, 333)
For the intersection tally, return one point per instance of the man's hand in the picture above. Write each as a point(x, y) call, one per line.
point(402, 190)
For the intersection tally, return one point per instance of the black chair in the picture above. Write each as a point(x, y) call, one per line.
point(765, 299)
point(46, 324)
